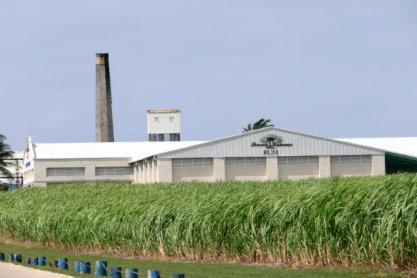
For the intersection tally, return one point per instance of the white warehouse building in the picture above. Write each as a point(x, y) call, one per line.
point(265, 154)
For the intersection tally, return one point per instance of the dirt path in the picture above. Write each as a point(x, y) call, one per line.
point(8, 270)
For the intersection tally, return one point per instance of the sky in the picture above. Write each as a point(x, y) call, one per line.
point(324, 67)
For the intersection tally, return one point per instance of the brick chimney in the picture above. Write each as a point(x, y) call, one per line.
point(104, 115)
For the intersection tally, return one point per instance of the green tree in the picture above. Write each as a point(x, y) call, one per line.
point(5, 153)
point(262, 123)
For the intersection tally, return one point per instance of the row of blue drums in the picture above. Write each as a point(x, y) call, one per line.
point(116, 272)
point(85, 267)
point(40, 261)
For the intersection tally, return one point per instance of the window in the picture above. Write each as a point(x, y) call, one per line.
point(174, 137)
point(65, 172)
point(171, 119)
point(298, 160)
point(192, 163)
point(350, 159)
point(161, 137)
point(156, 119)
point(114, 171)
point(245, 161)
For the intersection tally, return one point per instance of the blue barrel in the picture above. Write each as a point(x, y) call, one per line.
point(116, 272)
point(42, 261)
point(153, 274)
point(29, 260)
point(18, 257)
point(11, 257)
point(85, 268)
point(178, 275)
point(35, 261)
point(77, 267)
point(101, 268)
point(132, 273)
point(62, 263)
point(2, 257)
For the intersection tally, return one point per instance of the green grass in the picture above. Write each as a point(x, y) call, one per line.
point(191, 270)
point(338, 221)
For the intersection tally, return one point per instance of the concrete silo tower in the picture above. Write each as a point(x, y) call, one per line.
point(104, 115)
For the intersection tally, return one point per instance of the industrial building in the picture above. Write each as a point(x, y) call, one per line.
point(265, 154)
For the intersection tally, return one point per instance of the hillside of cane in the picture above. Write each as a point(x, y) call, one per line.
point(335, 221)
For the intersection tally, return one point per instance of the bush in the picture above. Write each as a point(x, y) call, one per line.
point(4, 187)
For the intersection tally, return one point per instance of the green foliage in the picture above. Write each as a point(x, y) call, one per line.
point(4, 187)
point(356, 220)
point(262, 123)
point(5, 152)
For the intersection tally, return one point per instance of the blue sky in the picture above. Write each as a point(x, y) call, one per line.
point(330, 68)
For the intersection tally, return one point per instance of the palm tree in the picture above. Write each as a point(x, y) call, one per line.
point(5, 153)
point(257, 125)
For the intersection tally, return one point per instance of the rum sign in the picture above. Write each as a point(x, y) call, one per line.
point(271, 152)
point(270, 143)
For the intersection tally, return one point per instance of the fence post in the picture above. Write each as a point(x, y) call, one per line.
point(178, 275)
point(153, 274)
point(132, 273)
point(62, 263)
point(77, 267)
point(85, 267)
point(115, 272)
point(42, 261)
point(101, 267)
point(18, 257)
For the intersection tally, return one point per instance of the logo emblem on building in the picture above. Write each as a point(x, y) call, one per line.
point(270, 142)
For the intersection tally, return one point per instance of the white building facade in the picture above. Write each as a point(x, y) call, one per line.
point(265, 154)
point(164, 125)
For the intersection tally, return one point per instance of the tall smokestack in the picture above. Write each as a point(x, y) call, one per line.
point(104, 115)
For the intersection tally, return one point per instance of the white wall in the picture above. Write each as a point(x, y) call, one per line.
point(297, 172)
point(246, 173)
point(190, 174)
point(40, 177)
point(363, 169)
point(164, 125)
point(164, 170)
point(378, 165)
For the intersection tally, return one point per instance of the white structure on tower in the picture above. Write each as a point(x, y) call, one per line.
point(164, 125)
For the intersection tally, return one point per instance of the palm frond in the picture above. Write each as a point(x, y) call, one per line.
point(261, 123)
point(6, 172)
point(5, 153)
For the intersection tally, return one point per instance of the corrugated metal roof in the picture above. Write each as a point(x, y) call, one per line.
point(401, 145)
point(140, 150)
point(133, 150)
point(302, 145)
